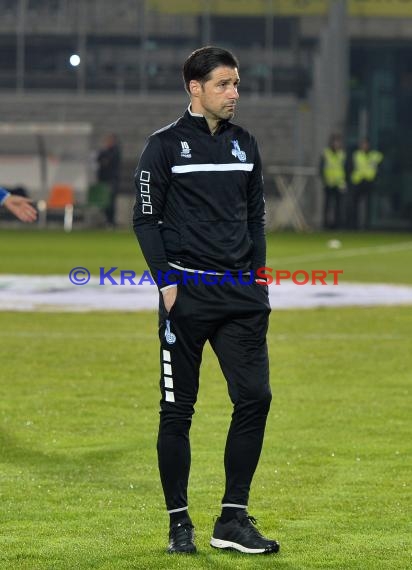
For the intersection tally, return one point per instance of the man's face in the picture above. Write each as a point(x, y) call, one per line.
point(337, 143)
point(109, 141)
point(217, 97)
point(365, 145)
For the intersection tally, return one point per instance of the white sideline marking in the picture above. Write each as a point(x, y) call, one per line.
point(287, 337)
point(340, 254)
point(69, 335)
point(56, 293)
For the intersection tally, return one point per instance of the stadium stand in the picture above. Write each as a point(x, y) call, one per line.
point(307, 69)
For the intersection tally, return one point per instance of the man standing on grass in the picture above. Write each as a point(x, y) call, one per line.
point(364, 171)
point(199, 211)
point(332, 170)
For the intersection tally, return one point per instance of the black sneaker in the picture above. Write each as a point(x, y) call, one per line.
point(241, 534)
point(181, 539)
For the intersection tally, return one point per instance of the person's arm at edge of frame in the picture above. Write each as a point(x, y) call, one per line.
point(256, 215)
point(153, 173)
point(3, 195)
point(18, 205)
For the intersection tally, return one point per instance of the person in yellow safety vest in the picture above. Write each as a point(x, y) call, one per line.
point(364, 170)
point(332, 169)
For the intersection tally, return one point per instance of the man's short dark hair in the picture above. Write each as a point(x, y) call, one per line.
point(200, 64)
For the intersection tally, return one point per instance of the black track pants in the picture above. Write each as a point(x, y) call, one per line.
point(234, 318)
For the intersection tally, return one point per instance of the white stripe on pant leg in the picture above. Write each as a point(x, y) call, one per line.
point(232, 505)
point(167, 376)
point(168, 382)
point(177, 510)
point(170, 397)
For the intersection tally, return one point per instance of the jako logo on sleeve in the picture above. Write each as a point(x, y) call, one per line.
point(185, 150)
point(145, 192)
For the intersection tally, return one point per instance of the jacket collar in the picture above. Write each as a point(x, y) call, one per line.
point(200, 122)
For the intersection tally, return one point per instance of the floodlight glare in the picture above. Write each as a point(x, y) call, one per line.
point(74, 60)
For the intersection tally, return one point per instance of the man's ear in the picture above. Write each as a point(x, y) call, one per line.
point(194, 87)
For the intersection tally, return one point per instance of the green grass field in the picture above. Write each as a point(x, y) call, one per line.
point(78, 421)
point(364, 257)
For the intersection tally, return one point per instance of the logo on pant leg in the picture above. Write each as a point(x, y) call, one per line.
point(169, 336)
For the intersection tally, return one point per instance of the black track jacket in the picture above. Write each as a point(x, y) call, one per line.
point(199, 199)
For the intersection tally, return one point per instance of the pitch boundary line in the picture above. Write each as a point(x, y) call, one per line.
point(278, 336)
point(340, 254)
